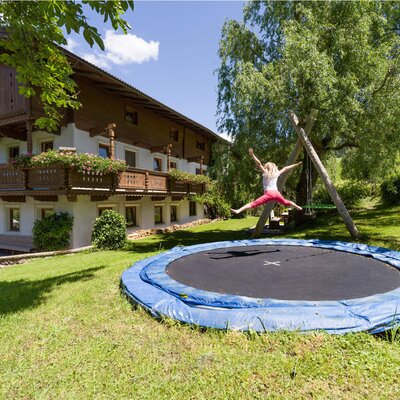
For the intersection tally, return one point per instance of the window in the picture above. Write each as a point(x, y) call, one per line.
point(14, 219)
point(13, 152)
point(174, 213)
point(130, 216)
point(130, 158)
point(104, 150)
point(44, 212)
point(131, 115)
point(172, 164)
point(104, 208)
point(174, 134)
point(192, 208)
point(45, 146)
point(157, 164)
point(158, 215)
point(198, 171)
point(200, 145)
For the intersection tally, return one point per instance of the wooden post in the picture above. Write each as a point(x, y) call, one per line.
point(294, 155)
point(111, 134)
point(324, 176)
point(201, 164)
point(168, 148)
point(29, 146)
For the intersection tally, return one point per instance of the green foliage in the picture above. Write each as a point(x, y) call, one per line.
point(349, 191)
point(109, 231)
point(213, 198)
point(390, 190)
point(34, 34)
point(52, 232)
point(338, 58)
point(81, 162)
point(187, 177)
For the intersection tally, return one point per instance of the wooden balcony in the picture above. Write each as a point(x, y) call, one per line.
point(55, 180)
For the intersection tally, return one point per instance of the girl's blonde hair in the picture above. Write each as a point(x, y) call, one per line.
point(271, 170)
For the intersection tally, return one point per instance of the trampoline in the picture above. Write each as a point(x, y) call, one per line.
point(267, 285)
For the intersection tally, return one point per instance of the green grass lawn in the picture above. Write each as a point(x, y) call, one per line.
point(66, 332)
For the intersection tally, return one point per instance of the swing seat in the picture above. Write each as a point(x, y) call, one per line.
point(321, 206)
point(318, 206)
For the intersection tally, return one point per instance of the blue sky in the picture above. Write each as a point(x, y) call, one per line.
point(171, 53)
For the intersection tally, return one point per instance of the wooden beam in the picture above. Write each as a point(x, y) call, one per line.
point(132, 198)
point(12, 133)
point(111, 135)
point(158, 149)
point(97, 132)
point(14, 199)
point(194, 159)
point(330, 187)
point(158, 198)
point(52, 198)
point(99, 197)
point(72, 197)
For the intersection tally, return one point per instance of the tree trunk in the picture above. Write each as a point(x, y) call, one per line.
point(324, 176)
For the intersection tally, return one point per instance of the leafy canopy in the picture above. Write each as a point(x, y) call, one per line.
point(338, 58)
point(31, 45)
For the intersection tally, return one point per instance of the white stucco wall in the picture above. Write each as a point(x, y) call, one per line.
point(84, 210)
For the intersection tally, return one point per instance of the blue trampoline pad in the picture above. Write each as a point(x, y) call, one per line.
point(268, 285)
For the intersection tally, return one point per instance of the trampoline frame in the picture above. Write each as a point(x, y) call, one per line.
point(148, 284)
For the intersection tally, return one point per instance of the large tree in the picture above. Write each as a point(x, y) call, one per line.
point(34, 32)
point(338, 58)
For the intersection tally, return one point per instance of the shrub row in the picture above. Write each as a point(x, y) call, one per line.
point(350, 192)
point(390, 190)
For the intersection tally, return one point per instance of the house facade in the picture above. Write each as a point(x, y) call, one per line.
point(116, 120)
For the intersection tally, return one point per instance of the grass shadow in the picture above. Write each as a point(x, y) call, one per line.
point(16, 296)
point(166, 241)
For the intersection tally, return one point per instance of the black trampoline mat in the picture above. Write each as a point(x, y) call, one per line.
point(285, 272)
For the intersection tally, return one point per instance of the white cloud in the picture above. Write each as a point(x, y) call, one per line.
point(127, 49)
point(71, 44)
point(121, 50)
point(98, 59)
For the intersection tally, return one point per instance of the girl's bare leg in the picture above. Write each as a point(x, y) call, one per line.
point(295, 205)
point(241, 209)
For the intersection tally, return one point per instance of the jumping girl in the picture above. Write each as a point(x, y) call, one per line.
point(270, 178)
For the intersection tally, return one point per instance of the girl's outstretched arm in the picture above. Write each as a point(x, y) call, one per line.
point(256, 160)
point(288, 168)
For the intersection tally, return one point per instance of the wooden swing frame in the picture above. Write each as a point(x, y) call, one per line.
point(303, 141)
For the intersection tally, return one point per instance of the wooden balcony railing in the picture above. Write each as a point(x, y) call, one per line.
point(11, 178)
point(61, 178)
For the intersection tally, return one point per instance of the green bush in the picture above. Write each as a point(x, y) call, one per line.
point(217, 206)
point(350, 192)
point(52, 232)
point(390, 190)
point(109, 231)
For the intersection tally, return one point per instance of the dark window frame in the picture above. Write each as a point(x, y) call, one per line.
point(104, 147)
point(131, 115)
point(174, 134)
point(161, 221)
point(11, 226)
point(135, 222)
point(192, 209)
point(44, 144)
point(200, 145)
point(155, 162)
point(175, 213)
point(134, 153)
point(12, 156)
